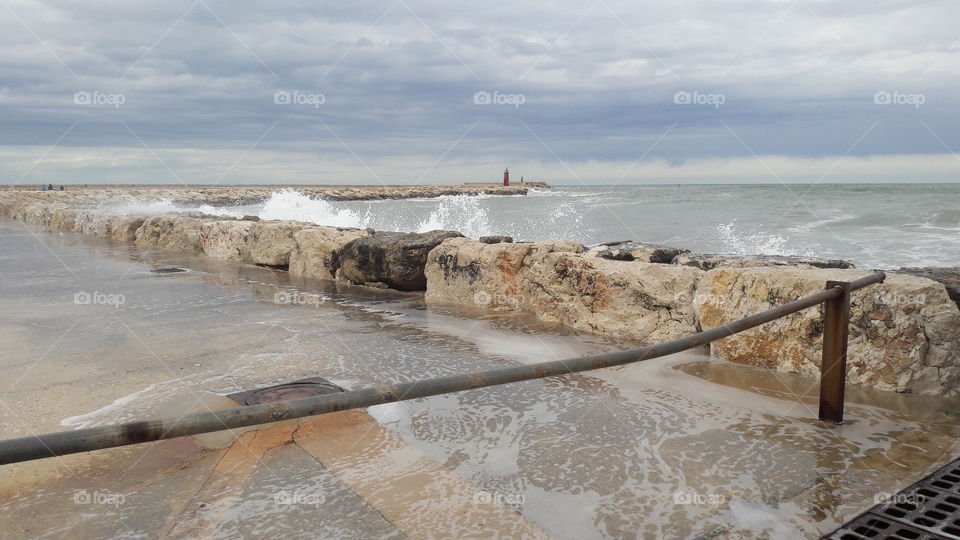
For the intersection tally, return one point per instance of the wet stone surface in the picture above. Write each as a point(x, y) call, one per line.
point(679, 446)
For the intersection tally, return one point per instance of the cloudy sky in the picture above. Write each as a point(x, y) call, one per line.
point(423, 91)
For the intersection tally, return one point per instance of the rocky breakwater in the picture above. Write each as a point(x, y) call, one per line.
point(102, 194)
point(360, 256)
point(904, 334)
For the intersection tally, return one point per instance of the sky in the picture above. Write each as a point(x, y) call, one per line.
point(430, 92)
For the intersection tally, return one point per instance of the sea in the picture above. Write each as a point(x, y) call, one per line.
point(872, 225)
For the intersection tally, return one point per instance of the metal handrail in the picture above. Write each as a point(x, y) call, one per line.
point(836, 295)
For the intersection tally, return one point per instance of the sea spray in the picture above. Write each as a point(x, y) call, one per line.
point(737, 242)
point(461, 213)
point(289, 204)
point(155, 207)
point(145, 208)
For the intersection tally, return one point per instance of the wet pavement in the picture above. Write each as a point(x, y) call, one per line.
point(681, 446)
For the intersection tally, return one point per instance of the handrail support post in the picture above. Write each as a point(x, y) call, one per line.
point(833, 365)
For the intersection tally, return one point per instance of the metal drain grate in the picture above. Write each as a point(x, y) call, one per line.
point(947, 479)
point(313, 386)
point(928, 509)
point(925, 507)
point(873, 527)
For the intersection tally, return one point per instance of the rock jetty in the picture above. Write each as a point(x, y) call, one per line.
point(904, 333)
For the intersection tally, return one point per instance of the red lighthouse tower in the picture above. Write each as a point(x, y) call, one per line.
point(506, 177)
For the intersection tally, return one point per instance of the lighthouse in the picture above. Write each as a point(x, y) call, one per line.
point(506, 177)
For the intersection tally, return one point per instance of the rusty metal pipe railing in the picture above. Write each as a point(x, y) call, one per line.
point(85, 440)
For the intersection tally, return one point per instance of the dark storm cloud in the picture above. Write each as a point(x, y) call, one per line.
point(599, 81)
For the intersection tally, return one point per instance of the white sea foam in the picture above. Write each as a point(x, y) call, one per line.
point(145, 208)
point(153, 207)
point(738, 242)
point(289, 204)
point(461, 213)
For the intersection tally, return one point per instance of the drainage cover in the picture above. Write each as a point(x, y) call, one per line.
point(303, 388)
point(928, 509)
point(167, 270)
point(872, 526)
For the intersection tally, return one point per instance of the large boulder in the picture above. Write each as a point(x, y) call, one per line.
point(635, 300)
point(904, 333)
point(948, 276)
point(124, 228)
point(394, 259)
point(65, 219)
point(465, 271)
point(172, 231)
point(92, 223)
point(709, 261)
point(271, 242)
point(36, 214)
point(559, 283)
point(638, 251)
point(317, 250)
point(226, 240)
point(496, 239)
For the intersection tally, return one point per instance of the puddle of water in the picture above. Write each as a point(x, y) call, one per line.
point(677, 446)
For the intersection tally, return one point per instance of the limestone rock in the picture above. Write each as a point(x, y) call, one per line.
point(394, 258)
point(949, 276)
point(271, 242)
point(66, 219)
point(317, 250)
point(35, 214)
point(124, 228)
point(642, 301)
point(96, 223)
point(495, 239)
point(898, 329)
point(171, 231)
point(557, 283)
point(465, 271)
point(226, 240)
point(638, 251)
point(709, 261)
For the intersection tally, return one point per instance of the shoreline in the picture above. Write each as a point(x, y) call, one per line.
point(904, 335)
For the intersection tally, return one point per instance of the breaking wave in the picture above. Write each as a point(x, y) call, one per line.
point(289, 204)
point(470, 215)
point(738, 242)
point(461, 213)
